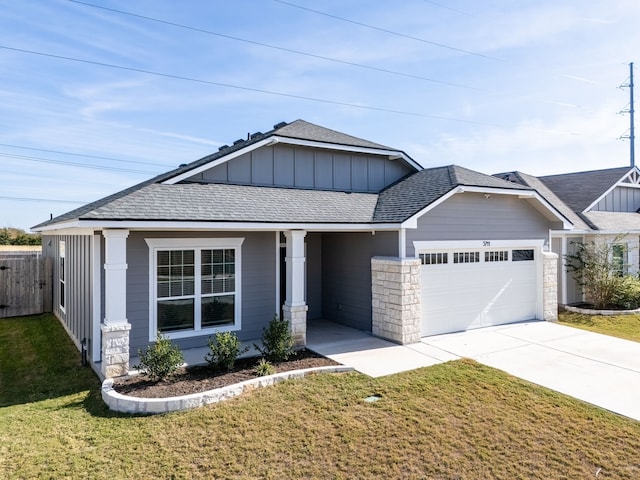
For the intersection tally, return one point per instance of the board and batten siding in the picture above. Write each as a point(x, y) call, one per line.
point(346, 274)
point(258, 286)
point(471, 216)
point(303, 167)
point(78, 311)
point(620, 199)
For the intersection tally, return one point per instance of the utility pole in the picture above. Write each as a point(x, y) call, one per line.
point(630, 111)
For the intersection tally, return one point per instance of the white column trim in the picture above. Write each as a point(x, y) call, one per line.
point(295, 266)
point(96, 314)
point(115, 267)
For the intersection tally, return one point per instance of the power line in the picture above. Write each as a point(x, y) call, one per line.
point(41, 200)
point(275, 47)
point(81, 155)
point(390, 32)
point(247, 89)
point(74, 164)
point(449, 8)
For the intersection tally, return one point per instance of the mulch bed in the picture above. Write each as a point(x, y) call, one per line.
point(201, 378)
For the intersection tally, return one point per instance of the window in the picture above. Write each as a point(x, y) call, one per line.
point(466, 257)
point(522, 255)
point(195, 286)
point(619, 259)
point(434, 258)
point(62, 273)
point(496, 256)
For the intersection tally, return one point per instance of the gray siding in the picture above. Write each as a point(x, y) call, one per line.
point(258, 288)
point(471, 216)
point(299, 167)
point(620, 199)
point(346, 274)
point(314, 275)
point(77, 313)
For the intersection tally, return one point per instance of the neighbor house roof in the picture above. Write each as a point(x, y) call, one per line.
point(578, 220)
point(580, 189)
point(573, 193)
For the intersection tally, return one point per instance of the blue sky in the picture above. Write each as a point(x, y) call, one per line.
point(494, 86)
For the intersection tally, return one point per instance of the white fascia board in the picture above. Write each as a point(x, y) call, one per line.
point(392, 154)
point(231, 226)
point(421, 246)
point(218, 161)
point(610, 189)
point(67, 228)
point(292, 141)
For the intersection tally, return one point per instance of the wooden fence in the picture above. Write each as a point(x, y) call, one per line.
point(25, 284)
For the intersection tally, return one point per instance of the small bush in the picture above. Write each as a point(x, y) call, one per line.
point(277, 341)
point(161, 359)
point(224, 351)
point(264, 368)
point(627, 294)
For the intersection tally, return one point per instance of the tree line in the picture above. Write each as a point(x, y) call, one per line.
point(16, 236)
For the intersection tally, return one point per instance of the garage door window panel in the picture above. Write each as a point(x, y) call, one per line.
point(466, 257)
point(522, 255)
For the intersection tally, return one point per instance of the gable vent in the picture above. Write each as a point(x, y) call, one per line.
point(280, 125)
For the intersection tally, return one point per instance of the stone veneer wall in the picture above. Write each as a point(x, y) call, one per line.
point(550, 286)
point(395, 288)
point(115, 350)
point(297, 318)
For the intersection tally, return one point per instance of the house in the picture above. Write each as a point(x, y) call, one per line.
point(308, 223)
point(602, 205)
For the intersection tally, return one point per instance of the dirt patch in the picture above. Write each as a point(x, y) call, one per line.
point(201, 378)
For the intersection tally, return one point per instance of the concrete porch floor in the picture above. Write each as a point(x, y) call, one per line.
point(367, 354)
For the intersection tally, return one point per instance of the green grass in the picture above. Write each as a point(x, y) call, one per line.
point(622, 326)
point(458, 420)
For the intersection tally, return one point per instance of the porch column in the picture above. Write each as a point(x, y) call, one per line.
point(115, 329)
point(550, 286)
point(294, 309)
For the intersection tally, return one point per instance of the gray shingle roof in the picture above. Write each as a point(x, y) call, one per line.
point(237, 203)
point(579, 190)
point(308, 131)
point(614, 221)
point(407, 197)
point(521, 178)
point(298, 129)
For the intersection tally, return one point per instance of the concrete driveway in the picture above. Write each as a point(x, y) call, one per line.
point(598, 369)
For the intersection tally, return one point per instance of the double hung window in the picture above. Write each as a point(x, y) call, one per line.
point(194, 285)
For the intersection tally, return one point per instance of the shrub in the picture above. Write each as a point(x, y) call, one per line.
point(597, 271)
point(224, 351)
point(264, 368)
point(627, 294)
point(277, 341)
point(161, 359)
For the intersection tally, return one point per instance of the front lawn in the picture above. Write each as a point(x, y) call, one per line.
point(622, 326)
point(458, 420)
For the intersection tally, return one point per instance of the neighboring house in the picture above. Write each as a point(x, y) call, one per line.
point(307, 223)
point(602, 205)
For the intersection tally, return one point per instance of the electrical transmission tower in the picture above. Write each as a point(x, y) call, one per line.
point(631, 135)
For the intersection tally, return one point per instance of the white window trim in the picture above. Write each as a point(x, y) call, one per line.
point(62, 276)
point(158, 244)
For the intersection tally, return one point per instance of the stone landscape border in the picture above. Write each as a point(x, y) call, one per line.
point(590, 311)
point(147, 406)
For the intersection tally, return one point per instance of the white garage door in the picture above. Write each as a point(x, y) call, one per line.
point(473, 288)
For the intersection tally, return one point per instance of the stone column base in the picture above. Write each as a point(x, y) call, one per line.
point(115, 350)
point(395, 297)
point(297, 318)
point(550, 286)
